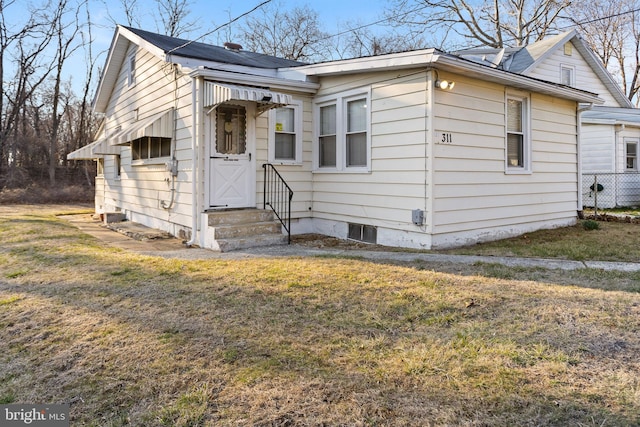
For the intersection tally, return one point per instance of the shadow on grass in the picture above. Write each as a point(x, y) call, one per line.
point(135, 340)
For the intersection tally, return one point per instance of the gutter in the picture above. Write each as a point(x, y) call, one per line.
point(579, 111)
point(195, 134)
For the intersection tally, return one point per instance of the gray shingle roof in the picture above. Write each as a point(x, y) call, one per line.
point(208, 52)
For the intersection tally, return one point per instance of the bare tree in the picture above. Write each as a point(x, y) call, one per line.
point(362, 41)
point(32, 66)
point(294, 34)
point(610, 27)
point(174, 16)
point(64, 34)
point(130, 10)
point(494, 23)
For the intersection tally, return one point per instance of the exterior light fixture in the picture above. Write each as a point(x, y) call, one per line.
point(266, 98)
point(445, 84)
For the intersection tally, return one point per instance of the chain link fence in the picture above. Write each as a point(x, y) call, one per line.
point(611, 190)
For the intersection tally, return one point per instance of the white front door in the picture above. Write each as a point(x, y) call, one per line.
point(231, 171)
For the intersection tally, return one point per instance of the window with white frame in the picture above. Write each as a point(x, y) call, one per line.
point(567, 75)
point(150, 147)
point(131, 70)
point(632, 155)
point(285, 135)
point(518, 140)
point(343, 132)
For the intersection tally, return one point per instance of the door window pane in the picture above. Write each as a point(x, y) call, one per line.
point(231, 130)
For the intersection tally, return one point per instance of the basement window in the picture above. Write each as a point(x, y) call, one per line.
point(363, 233)
point(150, 147)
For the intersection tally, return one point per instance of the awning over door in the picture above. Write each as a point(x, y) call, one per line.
point(218, 93)
point(95, 150)
point(158, 125)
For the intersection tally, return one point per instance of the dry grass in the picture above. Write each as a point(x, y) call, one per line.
point(144, 341)
point(612, 241)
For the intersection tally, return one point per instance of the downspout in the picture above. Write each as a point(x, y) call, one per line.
point(429, 203)
point(617, 164)
point(579, 111)
point(195, 134)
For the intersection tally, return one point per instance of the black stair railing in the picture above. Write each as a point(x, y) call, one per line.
point(278, 195)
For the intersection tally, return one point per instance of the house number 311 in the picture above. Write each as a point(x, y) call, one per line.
point(446, 138)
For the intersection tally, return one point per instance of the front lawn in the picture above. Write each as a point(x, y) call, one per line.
point(136, 340)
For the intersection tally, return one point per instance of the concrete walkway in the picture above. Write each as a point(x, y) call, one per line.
point(151, 242)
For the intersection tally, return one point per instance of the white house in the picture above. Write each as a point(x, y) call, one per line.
point(609, 133)
point(419, 149)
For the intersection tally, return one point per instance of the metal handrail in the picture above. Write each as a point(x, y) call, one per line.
point(278, 195)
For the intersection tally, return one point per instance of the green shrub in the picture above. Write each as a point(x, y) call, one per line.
point(591, 225)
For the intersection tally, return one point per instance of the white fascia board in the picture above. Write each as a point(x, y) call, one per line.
point(569, 35)
point(193, 64)
point(433, 58)
point(109, 76)
point(117, 52)
point(394, 61)
point(602, 72)
point(470, 69)
point(256, 80)
point(140, 42)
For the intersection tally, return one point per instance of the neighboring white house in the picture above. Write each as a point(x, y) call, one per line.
point(419, 149)
point(609, 134)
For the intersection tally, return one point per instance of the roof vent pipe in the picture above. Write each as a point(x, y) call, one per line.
point(232, 46)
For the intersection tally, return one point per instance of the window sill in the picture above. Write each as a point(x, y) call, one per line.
point(517, 171)
point(342, 171)
point(286, 162)
point(154, 161)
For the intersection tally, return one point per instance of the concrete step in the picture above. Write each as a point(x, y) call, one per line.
point(227, 245)
point(246, 230)
point(241, 216)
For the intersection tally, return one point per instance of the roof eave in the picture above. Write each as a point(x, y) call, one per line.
point(602, 73)
point(117, 52)
point(469, 68)
point(255, 79)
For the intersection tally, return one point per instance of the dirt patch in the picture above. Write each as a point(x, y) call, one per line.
point(313, 240)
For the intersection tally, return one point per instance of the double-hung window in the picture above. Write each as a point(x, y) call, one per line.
point(285, 135)
point(567, 75)
point(518, 138)
point(327, 149)
point(632, 155)
point(343, 133)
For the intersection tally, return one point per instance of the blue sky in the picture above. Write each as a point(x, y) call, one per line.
point(208, 13)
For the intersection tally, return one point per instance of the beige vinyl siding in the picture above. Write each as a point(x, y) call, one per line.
point(472, 192)
point(597, 149)
point(142, 187)
point(298, 177)
point(396, 184)
point(584, 76)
